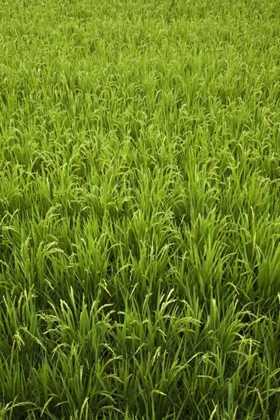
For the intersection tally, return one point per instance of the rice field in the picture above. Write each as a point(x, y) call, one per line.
point(139, 210)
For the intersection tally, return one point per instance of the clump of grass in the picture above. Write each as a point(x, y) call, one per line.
point(139, 196)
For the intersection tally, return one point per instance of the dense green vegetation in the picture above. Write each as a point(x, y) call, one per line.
point(139, 209)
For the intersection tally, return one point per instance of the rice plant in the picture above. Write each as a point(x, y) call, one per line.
point(139, 210)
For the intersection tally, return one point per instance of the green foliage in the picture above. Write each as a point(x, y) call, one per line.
point(139, 209)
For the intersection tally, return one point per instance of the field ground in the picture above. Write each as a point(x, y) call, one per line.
point(139, 209)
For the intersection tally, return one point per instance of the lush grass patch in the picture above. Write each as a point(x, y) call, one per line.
point(139, 209)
